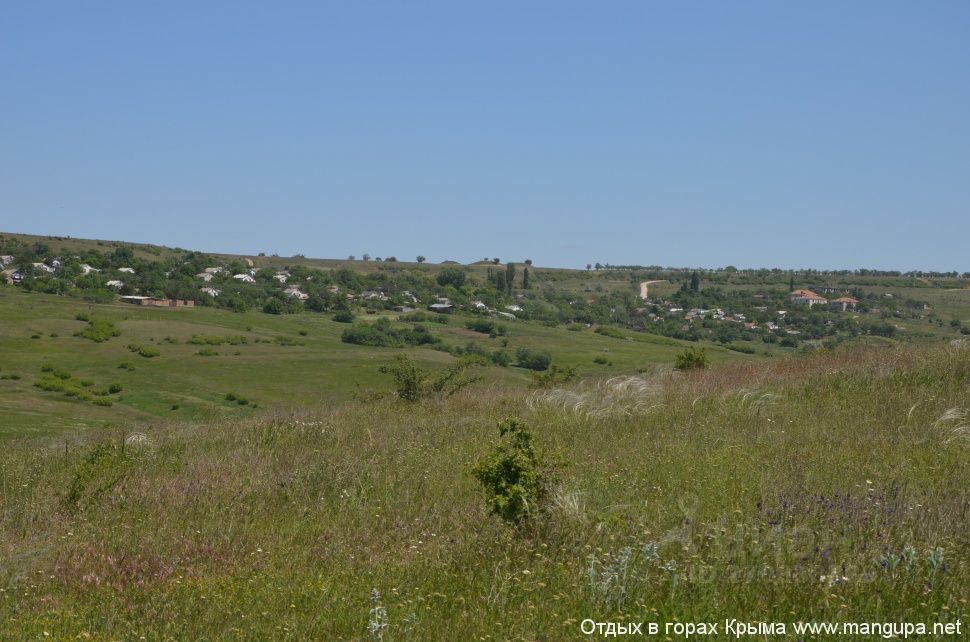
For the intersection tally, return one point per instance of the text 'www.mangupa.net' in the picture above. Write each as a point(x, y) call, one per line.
point(741, 629)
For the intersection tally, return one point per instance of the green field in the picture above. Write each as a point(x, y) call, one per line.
point(316, 369)
point(204, 474)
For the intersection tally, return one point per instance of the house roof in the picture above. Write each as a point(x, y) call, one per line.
point(806, 294)
point(845, 299)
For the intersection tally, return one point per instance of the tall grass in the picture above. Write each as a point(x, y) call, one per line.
point(830, 487)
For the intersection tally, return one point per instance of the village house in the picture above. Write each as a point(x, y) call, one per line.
point(514, 308)
point(244, 278)
point(213, 270)
point(127, 270)
point(205, 276)
point(43, 267)
point(87, 269)
point(213, 292)
point(844, 303)
point(806, 297)
point(295, 293)
point(5, 260)
point(115, 283)
point(282, 277)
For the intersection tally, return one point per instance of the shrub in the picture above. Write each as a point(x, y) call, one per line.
point(451, 276)
point(302, 333)
point(102, 401)
point(343, 316)
point(149, 352)
point(231, 396)
point(609, 331)
point(114, 388)
point(126, 365)
point(692, 358)
point(513, 476)
point(207, 352)
point(413, 383)
point(600, 360)
point(553, 377)
point(99, 330)
point(533, 359)
point(82, 316)
point(486, 326)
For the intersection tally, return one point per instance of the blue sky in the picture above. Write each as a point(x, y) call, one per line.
point(756, 134)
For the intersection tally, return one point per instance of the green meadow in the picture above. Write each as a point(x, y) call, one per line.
point(204, 474)
point(287, 361)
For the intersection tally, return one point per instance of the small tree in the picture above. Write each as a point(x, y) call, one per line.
point(692, 358)
point(451, 276)
point(414, 383)
point(695, 282)
point(509, 277)
point(525, 278)
point(421, 259)
point(514, 476)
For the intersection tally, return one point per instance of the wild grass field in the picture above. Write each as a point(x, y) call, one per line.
point(207, 474)
point(831, 487)
point(284, 362)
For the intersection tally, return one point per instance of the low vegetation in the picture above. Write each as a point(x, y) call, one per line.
point(836, 484)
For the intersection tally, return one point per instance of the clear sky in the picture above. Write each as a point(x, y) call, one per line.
point(812, 134)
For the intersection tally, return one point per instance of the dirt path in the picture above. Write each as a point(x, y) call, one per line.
point(644, 288)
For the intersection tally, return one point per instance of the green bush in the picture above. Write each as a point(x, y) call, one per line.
point(99, 330)
point(513, 476)
point(149, 352)
point(553, 377)
point(533, 359)
point(609, 331)
point(114, 388)
point(102, 401)
point(413, 383)
point(343, 316)
point(692, 358)
point(207, 352)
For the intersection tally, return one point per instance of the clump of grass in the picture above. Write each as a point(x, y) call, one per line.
point(99, 330)
point(207, 352)
point(149, 352)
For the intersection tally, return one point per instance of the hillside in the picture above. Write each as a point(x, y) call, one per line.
point(830, 487)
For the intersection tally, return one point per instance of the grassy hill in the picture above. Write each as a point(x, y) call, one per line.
point(229, 473)
point(832, 487)
point(287, 361)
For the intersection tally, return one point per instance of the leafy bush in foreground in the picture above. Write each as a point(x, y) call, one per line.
point(513, 475)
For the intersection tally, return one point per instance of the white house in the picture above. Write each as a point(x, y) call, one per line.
point(295, 293)
point(127, 269)
point(205, 276)
point(43, 267)
point(213, 270)
point(87, 269)
point(213, 292)
point(115, 283)
point(282, 276)
point(5, 260)
point(514, 308)
point(244, 278)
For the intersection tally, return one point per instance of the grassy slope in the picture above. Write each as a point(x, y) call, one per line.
point(756, 480)
point(321, 369)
